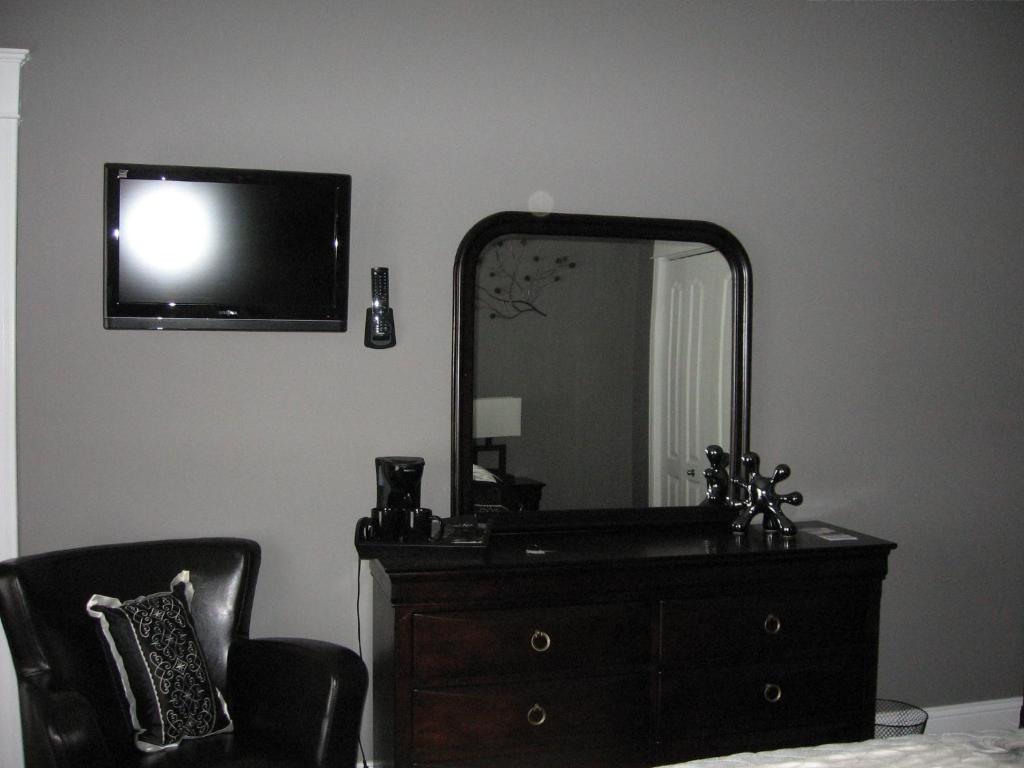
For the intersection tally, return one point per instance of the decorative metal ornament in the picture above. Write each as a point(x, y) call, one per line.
point(719, 490)
point(762, 499)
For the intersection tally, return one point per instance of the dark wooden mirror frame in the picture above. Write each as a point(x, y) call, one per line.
point(599, 227)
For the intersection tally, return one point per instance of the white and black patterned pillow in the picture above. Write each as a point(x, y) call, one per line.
point(163, 672)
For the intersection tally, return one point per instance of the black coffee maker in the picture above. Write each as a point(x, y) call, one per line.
point(398, 516)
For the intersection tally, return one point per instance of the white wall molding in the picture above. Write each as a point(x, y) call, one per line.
point(974, 716)
point(11, 60)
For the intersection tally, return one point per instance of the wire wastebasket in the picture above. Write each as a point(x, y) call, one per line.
point(897, 718)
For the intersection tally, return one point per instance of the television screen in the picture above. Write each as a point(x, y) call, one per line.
point(219, 248)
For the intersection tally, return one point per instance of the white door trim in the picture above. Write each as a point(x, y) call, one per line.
point(11, 60)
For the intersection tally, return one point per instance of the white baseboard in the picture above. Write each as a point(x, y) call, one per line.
point(974, 716)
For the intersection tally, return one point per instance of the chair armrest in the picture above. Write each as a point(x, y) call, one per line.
point(305, 695)
point(60, 729)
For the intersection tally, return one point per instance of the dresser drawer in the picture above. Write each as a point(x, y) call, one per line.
point(761, 696)
point(606, 756)
point(747, 627)
point(476, 721)
point(456, 646)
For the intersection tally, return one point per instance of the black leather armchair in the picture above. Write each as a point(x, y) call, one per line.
point(293, 702)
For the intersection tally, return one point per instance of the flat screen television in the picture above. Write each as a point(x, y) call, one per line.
point(225, 249)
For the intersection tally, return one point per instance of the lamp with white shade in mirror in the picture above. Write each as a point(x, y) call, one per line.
point(496, 417)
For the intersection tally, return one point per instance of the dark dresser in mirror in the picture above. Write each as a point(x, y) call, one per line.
point(613, 620)
point(600, 356)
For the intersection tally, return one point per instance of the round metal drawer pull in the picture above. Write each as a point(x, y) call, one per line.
point(772, 624)
point(540, 641)
point(772, 693)
point(536, 715)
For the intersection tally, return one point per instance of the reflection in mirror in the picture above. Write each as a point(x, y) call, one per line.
point(690, 368)
point(614, 357)
point(593, 369)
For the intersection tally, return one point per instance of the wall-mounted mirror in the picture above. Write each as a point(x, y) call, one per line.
point(594, 358)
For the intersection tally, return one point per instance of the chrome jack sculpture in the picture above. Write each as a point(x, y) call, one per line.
point(761, 496)
point(719, 489)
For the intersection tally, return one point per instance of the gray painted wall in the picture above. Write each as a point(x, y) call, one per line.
point(868, 155)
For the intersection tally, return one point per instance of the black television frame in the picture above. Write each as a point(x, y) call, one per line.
point(212, 316)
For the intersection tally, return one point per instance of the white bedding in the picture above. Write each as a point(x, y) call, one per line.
point(985, 749)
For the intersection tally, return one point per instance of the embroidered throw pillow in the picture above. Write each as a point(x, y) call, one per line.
point(163, 672)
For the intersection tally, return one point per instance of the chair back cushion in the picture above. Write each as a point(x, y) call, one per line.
point(55, 643)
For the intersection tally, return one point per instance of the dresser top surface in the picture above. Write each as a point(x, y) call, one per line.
point(538, 549)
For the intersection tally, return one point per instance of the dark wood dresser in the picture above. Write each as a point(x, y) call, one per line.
point(626, 647)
